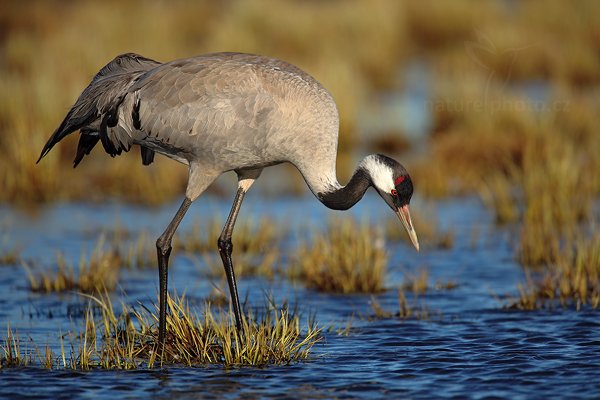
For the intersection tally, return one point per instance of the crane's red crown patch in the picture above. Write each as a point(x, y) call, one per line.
point(399, 180)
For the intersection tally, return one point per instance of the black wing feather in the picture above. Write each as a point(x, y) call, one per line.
point(85, 145)
point(98, 103)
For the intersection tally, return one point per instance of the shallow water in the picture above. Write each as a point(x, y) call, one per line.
point(468, 347)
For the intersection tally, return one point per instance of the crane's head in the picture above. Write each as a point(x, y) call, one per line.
point(392, 182)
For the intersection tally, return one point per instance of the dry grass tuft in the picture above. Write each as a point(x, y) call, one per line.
point(557, 198)
point(276, 338)
point(99, 273)
point(349, 258)
point(572, 280)
point(12, 356)
point(129, 340)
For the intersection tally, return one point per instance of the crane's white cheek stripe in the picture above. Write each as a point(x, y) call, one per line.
point(382, 178)
point(381, 174)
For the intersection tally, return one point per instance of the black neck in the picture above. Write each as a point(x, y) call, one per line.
point(347, 196)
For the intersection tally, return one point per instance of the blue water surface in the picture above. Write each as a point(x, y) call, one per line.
point(468, 346)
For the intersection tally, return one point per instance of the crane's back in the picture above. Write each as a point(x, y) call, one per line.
point(230, 111)
point(223, 111)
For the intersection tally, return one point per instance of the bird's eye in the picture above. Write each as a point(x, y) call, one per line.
point(394, 192)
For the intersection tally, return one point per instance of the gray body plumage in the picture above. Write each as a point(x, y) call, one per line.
point(216, 113)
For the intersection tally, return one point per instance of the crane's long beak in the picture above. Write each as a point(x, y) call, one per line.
point(404, 216)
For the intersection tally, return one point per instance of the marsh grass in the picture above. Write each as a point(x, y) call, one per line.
point(405, 310)
point(136, 249)
point(140, 253)
point(10, 256)
point(533, 168)
point(353, 48)
point(264, 264)
point(557, 198)
point(287, 29)
point(128, 339)
point(94, 275)
point(274, 338)
point(498, 193)
point(348, 258)
point(497, 152)
point(416, 283)
point(346, 330)
point(12, 355)
point(557, 234)
point(573, 280)
point(249, 236)
point(255, 247)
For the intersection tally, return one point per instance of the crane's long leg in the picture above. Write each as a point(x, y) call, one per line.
point(163, 250)
point(225, 249)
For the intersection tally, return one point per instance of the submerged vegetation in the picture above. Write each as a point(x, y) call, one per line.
point(405, 310)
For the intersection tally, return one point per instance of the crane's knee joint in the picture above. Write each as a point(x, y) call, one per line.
point(225, 245)
point(163, 246)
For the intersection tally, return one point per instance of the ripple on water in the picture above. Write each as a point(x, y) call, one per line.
point(469, 349)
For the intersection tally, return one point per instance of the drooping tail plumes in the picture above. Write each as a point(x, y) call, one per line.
point(97, 106)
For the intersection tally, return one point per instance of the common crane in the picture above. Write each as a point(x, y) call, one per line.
point(225, 112)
